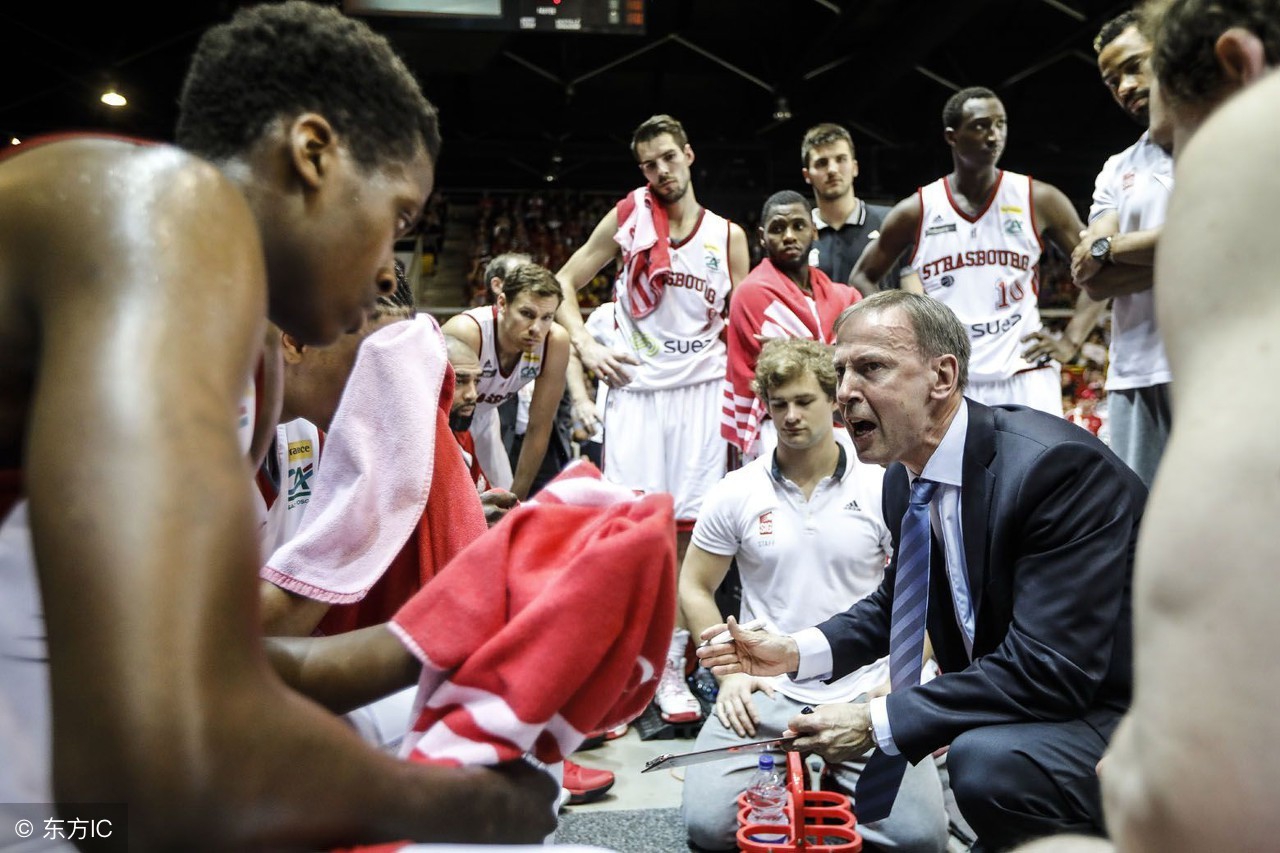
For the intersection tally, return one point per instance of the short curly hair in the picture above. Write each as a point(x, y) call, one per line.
point(953, 109)
point(285, 59)
point(785, 360)
point(1183, 34)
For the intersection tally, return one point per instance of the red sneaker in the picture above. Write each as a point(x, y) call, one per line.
point(584, 784)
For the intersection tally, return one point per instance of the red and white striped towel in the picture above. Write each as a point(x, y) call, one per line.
point(553, 624)
point(645, 237)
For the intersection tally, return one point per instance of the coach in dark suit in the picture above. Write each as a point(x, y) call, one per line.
point(1034, 523)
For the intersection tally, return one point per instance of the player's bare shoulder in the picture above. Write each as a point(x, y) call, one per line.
point(81, 206)
point(91, 228)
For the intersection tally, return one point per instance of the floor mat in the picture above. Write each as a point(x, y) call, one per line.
point(635, 831)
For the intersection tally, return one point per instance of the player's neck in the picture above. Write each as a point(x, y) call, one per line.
point(808, 466)
point(974, 184)
point(836, 211)
point(799, 276)
point(682, 216)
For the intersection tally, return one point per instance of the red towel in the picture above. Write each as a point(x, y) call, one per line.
point(770, 304)
point(645, 237)
point(553, 624)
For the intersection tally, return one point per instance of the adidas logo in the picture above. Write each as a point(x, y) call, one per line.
point(852, 506)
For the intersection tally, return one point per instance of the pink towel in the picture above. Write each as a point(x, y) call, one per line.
point(553, 624)
point(378, 468)
point(645, 236)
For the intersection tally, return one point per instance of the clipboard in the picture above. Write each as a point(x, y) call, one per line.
point(683, 759)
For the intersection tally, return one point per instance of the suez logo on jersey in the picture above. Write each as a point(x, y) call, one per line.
point(646, 345)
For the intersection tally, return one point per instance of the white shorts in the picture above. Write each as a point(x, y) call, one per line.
point(1039, 388)
point(666, 441)
point(486, 429)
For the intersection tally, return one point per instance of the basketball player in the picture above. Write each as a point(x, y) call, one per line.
point(679, 262)
point(517, 340)
point(978, 234)
point(133, 290)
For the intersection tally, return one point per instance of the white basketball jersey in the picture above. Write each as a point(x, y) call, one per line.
point(680, 342)
point(494, 386)
point(984, 268)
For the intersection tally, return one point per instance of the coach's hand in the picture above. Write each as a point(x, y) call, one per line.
point(835, 732)
point(752, 652)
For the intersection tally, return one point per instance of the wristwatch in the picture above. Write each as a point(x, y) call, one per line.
point(1100, 250)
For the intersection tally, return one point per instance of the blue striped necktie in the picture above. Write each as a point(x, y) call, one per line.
point(878, 784)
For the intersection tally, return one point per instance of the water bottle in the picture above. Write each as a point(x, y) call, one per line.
point(767, 798)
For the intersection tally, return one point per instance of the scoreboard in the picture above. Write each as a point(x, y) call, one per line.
point(552, 16)
point(586, 16)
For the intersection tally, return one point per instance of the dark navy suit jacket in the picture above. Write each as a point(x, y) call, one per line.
point(1050, 520)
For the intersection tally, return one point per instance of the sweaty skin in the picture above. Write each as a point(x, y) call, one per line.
point(133, 290)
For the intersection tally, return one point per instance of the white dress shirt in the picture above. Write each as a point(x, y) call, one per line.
point(945, 467)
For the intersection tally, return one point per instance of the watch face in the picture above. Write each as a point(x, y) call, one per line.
point(1100, 248)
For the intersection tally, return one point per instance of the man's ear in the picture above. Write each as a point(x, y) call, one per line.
point(949, 135)
point(854, 173)
point(291, 349)
point(804, 170)
point(1241, 56)
point(688, 152)
point(947, 377)
point(760, 236)
point(313, 145)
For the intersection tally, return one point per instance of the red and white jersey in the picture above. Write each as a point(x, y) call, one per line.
point(681, 343)
point(495, 386)
point(984, 268)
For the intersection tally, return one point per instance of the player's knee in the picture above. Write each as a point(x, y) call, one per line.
point(710, 825)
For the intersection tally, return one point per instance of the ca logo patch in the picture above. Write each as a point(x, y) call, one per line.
point(643, 344)
point(300, 482)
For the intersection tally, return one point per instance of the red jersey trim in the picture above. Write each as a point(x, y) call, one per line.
point(697, 226)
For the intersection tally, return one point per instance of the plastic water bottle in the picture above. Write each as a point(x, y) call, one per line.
point(767, 797)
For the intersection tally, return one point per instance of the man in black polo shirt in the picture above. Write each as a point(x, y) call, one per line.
point(845, 223)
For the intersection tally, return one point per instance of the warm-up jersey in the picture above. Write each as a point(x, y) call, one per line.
point(680, 342)
point(494, 387)
point(984, 268)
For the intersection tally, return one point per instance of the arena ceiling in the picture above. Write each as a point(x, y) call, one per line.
point(519, 108)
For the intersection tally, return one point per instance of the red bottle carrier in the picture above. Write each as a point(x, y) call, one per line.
point(823, 821)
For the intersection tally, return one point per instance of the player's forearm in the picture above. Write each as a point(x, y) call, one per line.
point(345, 671)
point(287, 614)
point(861, 282)
point(1083, 321)
point(1136, 248)
point(575, 380)
point(1115, 280)
point(532, 451)
point(569, 314)
point(698, 605)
